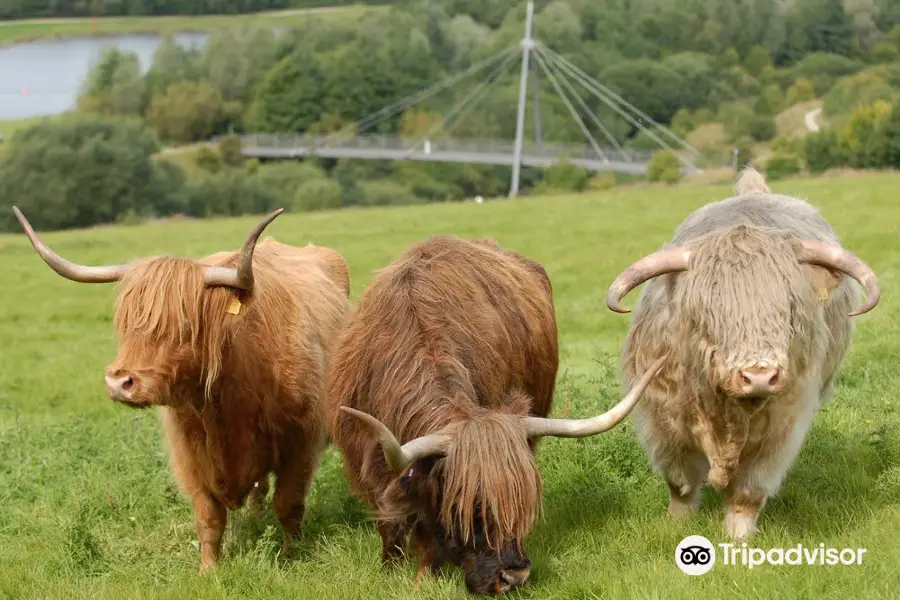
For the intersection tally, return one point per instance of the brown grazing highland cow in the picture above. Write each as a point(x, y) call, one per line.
point(437, 391)
point(750, 301)
point(232, 349)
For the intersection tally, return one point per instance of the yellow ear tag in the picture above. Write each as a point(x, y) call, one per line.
point(234, 307)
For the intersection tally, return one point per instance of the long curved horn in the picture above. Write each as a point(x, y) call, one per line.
point(70, 270)
point(668, 260)
point(576, 428)
point(399, 457)
point(242, 277)
point(840, 259)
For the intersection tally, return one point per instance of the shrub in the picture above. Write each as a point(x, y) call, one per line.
point(664, 166)
point(186, 111)
point(230, 192)
point(282, 179)
point(599, 183)
point(853, 91)
point(823, 151)
point(317, 194)
point(864, 137)
point(385, 192)
point(770, 101)
point(683, 122)
point(823, 69)
point(762, 128)
point(786, 145)
point(208, 159)
point(801, 91)
point(703, 116)
point(230, 150)
point(737, 118)
point(563, 177)
point(780, 166)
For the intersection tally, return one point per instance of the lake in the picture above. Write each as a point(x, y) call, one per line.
point(44, 77)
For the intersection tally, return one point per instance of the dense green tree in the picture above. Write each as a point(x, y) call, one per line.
point(79, 171)
point(187, 111)
point(823, 69)
point(466, 35)
point(559, 26)
point(234, 61)
point(656, 89)
point(850, 92)
point(863, 16)
point(172, 63)
point(289, 96)
point(114, 85)
point(757, 59)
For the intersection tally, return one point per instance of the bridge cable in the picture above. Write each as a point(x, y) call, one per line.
point(470, 100)
point(540, 61)
point(621, 100)
point(603, 92)
point(609, 136)
point(631, 120)
point(416, 98)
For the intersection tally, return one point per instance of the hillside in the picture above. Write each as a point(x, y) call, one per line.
point(27, 30)
point(90, 510)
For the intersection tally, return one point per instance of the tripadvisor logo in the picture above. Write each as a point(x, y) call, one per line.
point(696, 555)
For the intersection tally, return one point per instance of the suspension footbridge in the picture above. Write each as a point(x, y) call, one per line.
point(565, 78)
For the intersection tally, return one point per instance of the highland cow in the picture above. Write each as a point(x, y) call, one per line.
point(751, 302)
point(452, 352)
point(232, 349)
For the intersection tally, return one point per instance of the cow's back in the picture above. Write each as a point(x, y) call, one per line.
point(447, 319)
point(298, 305)
point(770, 211)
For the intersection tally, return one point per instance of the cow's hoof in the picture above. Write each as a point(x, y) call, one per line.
point(740, 527)
point(679, 508)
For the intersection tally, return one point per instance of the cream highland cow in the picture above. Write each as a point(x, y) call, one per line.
point(752, 303)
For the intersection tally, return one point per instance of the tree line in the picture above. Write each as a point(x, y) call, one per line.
point(719, 72)
point(38, 9)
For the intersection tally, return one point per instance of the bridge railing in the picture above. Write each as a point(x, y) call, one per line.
point(417, 146)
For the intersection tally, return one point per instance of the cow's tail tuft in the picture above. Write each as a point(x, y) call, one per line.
point(751, 183)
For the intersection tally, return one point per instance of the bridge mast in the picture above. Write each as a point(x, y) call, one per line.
point(527, 44)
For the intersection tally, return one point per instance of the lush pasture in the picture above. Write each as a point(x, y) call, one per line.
point(88, 508)
point(13, 32)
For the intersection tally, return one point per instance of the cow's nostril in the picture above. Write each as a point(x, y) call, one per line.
point(746, 379)
point(128, 384)
point(774, 379)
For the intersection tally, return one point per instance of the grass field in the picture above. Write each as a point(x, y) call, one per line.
point(12, 32)
point(88, 508)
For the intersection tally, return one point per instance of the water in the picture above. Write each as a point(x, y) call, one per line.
point(44, 77)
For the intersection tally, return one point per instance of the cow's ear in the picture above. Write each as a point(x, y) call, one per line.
point(824, 280)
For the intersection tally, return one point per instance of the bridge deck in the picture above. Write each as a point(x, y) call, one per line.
point(482, 152)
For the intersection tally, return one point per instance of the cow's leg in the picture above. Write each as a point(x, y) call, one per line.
point(743, 505)
point(291, 488)
point(211, 517)
point(683, 468)
point(293, 480)
point(393, 540)
point(430, 560)
point(684, 474)
point(759, 477)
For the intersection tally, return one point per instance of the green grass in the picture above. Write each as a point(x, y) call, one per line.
point(12, 32)
point(88, 508)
